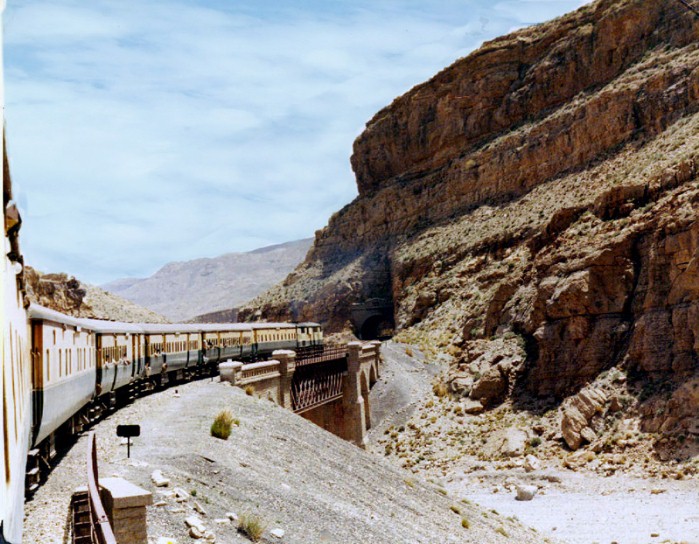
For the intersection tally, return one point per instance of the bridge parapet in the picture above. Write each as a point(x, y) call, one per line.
point(329, 388)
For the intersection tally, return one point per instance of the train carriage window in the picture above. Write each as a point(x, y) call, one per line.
point(48, 365)
point(54, 338)
point(60, 363)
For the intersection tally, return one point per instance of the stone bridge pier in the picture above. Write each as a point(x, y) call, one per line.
point(330, 389)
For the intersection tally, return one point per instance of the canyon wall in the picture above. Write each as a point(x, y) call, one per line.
point(541, 191)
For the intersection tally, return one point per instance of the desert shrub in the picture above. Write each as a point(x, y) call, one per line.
point(251, 526)
point(249, 390)
point(409, 352)
point(501, 530)
point(465, 523)
point(440, 389)
point(221, 427)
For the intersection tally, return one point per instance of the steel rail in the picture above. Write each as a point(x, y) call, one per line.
point(100, 527)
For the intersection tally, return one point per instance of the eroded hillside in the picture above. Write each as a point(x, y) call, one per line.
point(70, 296)
point(530, 211)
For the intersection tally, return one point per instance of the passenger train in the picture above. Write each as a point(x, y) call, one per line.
point(60, 373)
point(82, 368)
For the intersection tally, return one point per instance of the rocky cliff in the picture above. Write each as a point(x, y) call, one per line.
point(532, 209)
point(70, 296)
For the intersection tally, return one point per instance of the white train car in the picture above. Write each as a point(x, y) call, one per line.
point(64, 376)
point(172, 351)
point(119, 355)
point(15, 374)
point(224, 341)
point(271, 336)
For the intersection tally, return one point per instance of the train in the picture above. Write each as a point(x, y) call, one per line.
point(83, 367)
point(62, 373)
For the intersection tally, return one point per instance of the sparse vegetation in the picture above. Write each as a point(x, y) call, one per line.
point(249, 390)
point(440, 389)
point(251, 526)
point(222, 425)
point(501, 530)
point(465, 523)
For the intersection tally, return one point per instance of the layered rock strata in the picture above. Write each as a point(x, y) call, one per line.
point(543, 189)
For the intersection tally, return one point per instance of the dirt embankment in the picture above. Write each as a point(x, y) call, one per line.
point(292, 474)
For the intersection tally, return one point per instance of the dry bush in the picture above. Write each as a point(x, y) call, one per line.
point(251, 526)
point(221, 427)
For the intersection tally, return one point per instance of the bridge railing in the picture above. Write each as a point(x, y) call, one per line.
point(259, 371)
point(101, 530)
point(327, 354)
point(319, 384)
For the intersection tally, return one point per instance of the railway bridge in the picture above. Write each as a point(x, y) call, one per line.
point(328, 386)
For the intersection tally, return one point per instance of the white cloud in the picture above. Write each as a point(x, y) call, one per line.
point(145, 132)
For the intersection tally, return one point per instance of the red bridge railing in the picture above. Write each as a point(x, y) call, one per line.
point(101, 530)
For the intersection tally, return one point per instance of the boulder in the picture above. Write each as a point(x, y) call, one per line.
point(506, 442)
point(471, 406)
point(158, 479)
point(531, 463)
point(491, 387)
point(193, 522)
point(277, 533)
point(577, 413)
point(526, 492)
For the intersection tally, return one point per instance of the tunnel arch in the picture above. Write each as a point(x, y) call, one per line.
point(376, 327)
point(373, 319)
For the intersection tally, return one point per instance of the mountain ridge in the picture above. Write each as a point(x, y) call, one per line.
point(182, 290)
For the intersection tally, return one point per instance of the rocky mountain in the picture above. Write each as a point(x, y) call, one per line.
point(183, 290)
point(70, 296)
point(531, 211)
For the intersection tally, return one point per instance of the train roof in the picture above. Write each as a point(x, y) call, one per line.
point(214, 327)
point(37, 311)
point(168, 328)
point(104, 326)
point(107, 327)
point(273, 325)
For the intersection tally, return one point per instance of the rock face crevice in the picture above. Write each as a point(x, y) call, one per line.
point(543, 187)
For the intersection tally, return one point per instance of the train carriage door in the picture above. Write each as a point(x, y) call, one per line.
point(100, 360)
point(38, 374)
point(134, 356)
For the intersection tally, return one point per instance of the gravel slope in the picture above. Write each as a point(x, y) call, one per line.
point(295, 476)
point(577, 507)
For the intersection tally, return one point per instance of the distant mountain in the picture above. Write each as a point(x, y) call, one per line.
point(183, 290)
point(66, 294)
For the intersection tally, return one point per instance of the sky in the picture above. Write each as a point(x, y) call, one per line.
point(151, 131)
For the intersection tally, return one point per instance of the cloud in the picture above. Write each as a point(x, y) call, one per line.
point(145, 132)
